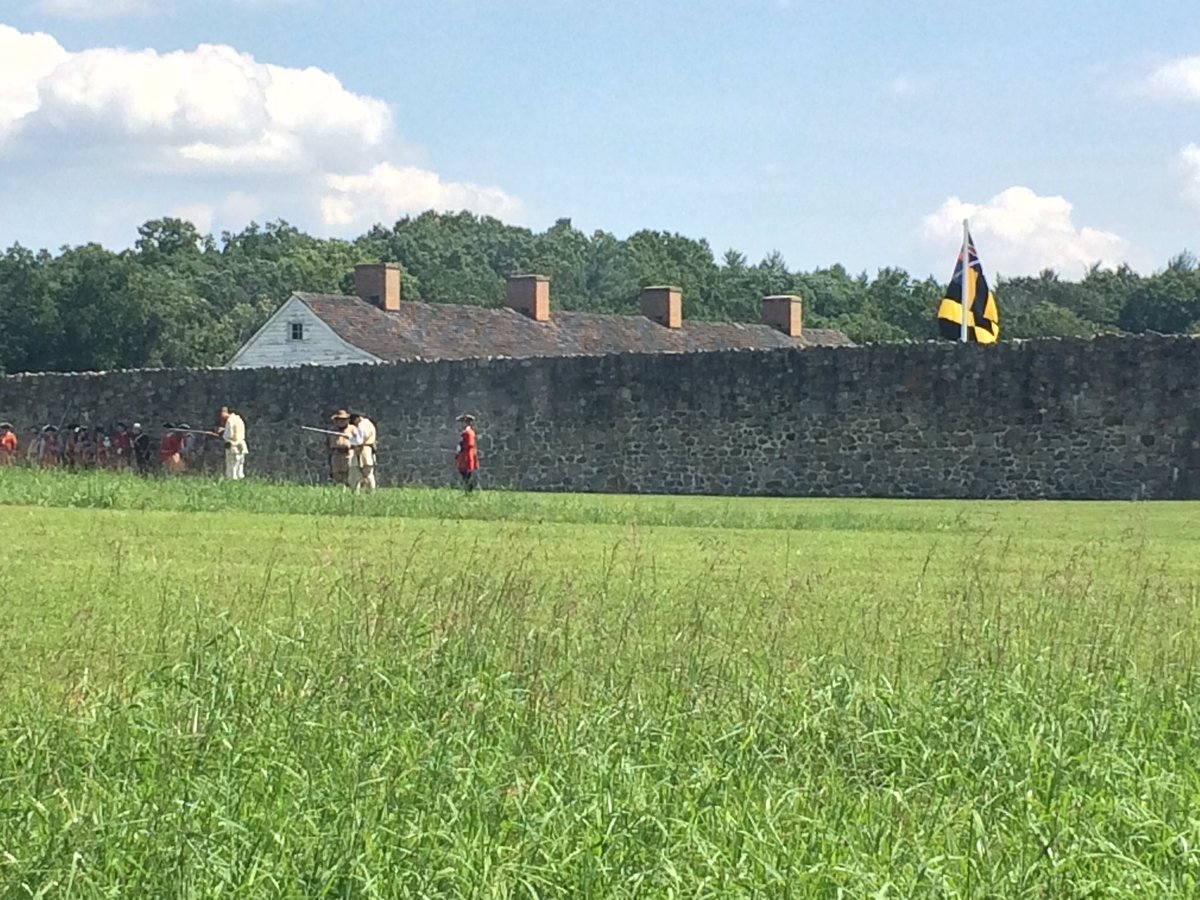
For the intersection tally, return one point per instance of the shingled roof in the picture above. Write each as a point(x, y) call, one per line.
point(450, 331)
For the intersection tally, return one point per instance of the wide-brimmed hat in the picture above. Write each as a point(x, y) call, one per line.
point(50, 428)
point(340, 414)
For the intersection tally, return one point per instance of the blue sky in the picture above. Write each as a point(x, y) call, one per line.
point(833, 132)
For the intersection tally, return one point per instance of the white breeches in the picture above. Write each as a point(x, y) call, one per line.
point(362, 476)
point(235, 464)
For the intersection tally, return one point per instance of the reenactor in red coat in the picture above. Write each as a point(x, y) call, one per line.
point(467, 455)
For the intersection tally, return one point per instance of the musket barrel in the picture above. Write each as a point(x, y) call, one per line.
point(322, 431)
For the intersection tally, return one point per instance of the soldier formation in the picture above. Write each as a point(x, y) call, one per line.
point(121, 447)
point(351, 442)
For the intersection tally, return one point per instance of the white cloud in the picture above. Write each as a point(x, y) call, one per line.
point(388, 191)
point(212, 108)
point(1019, 232)
point(1178, 79)
point(217, 114)
point(28, 59)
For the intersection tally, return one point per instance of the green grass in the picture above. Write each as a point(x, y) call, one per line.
point(254, 690)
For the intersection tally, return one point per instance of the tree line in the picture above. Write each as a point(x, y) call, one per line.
point(182, 298)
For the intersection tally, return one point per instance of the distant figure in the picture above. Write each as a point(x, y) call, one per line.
point(467, 455)
point(169, 449)
point(85, 448)
point(103, 447)
point(141, 448)
point(68, 446)
point(8, 444)
point(233, 433)
point(47, 456)
point(33, 444)
point(339, 448)
point(362, 452)
point(187, 447)
point(122, 447)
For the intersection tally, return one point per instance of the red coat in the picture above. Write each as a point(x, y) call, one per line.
point(170, 445)
point(467, 457)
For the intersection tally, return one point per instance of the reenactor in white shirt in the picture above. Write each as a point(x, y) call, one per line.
point(233, 433)
point(362, 452)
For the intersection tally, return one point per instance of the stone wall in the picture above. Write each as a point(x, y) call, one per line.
point(1110, 418)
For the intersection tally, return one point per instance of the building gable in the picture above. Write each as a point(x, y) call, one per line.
point(295, 336)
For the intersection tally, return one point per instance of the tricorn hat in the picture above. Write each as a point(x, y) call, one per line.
point(340, 414)
point(466, 417)
point(6, 425)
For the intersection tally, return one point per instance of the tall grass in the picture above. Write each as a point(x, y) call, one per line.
point(104, 490)
point(506, 709)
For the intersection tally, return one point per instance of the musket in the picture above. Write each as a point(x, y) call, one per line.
point(323, 431)
point(194, 431)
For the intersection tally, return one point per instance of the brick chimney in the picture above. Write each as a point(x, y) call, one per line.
point(785, 312)
point(379, 285)
point(664, 305)
point(530, 296)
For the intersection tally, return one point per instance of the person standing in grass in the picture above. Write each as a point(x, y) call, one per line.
point(141, 448)
point(187, 446)
point(47, 454)
point(233, 433)
point(363, 438)
point(103, 447)
point(8, 444)
point(467, 455)
point(339, 448)
point(170, 450)
point(122, 447)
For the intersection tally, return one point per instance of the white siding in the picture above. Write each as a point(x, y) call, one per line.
point(273, 345)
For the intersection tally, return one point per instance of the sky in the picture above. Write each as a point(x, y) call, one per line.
point(859, 133)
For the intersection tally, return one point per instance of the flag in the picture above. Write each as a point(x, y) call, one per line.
point(983, 320)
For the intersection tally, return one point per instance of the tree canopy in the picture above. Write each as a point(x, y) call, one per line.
point(182, 298)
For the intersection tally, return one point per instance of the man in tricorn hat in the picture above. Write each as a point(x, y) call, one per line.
point(339, 448)
point(467, 455)
point(8, 444)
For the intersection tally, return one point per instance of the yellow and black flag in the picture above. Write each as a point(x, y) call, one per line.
point(983, 319)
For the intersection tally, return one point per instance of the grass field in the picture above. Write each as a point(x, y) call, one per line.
point(214, 690)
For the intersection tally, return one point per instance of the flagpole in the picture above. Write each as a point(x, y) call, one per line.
point(966, 282)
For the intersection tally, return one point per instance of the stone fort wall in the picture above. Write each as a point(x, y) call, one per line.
point(1108, 418)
